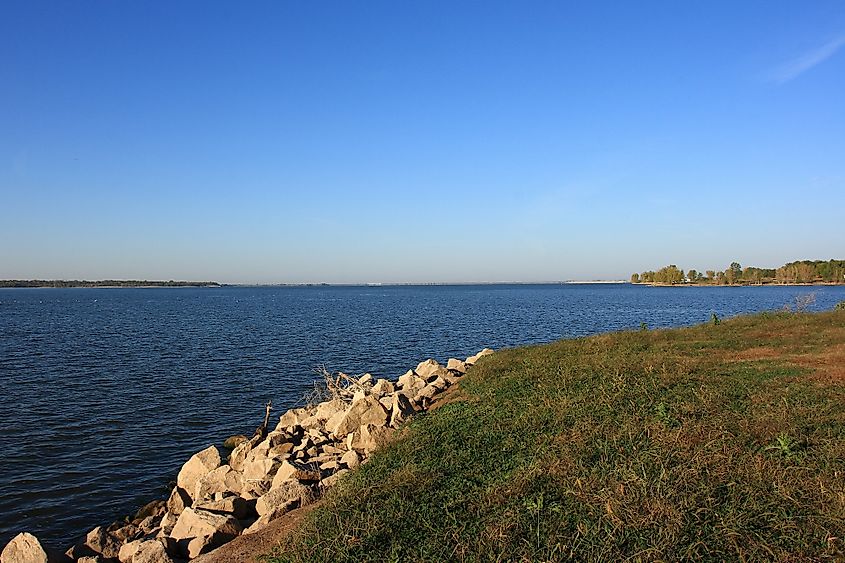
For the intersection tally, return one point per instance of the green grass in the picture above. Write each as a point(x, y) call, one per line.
point(719, 442)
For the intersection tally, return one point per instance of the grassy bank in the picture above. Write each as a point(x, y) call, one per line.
point(718, 442)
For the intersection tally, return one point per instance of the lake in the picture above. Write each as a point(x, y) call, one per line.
point(106, 392)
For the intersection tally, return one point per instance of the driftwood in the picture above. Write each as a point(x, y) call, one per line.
point(262, 430)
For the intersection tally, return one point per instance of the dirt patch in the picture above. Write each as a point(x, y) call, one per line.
point(248, 548)
point(828, 366)
point(759, 353)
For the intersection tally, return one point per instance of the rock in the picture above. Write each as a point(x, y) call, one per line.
point(260, 469)
point(179, 499)
point(196, 468)
point(90, 559)
point(364, 411)
point(292, 417)
point(294, 470)
point(25, 548)
point(366, 379)
point(128, 551)
point(370, 437)
point(474, 359)
point(410, 383)
point(425, 395)
point(233, 442)
point(400, 410)
point(351, 459)
point(281, 451)
point(382, 387)
point(152, 551)
point(268, 517)
point(426, 368)
point(198, 531)
point(100, 541)
point(221, 480)
point(439, 384)
point(282, 494)
point(238, 507)
point(154, 508)
point(332, 449)
point(331, 480)
point(456, 365)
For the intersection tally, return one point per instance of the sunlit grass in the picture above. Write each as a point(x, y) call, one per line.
point(721, 441)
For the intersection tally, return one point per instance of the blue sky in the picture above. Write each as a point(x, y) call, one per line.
point(431, 141)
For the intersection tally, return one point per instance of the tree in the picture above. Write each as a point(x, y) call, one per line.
point(692, 276)
point(635, 278)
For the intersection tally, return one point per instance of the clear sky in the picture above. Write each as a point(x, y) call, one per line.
point(417, 141)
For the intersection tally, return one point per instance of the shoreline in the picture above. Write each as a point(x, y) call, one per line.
point(218, 498)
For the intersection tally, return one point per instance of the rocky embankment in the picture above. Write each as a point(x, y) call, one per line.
point(264, 477)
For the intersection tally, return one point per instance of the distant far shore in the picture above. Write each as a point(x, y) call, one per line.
point(773, 284)
point(102, 283)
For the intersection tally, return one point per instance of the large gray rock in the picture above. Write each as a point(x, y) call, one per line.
point(198, 531)
point(351, 459)
point(410, 383)
point(363, 411)
point(382, 387)
point(400, 410)
point(196, 468)
point(101, 541)
point(369, 438)
point(426, 368)
point(238, 507)
point(474, 359)
point(268, 517)
point(25, 548)
point(295, 470)
point(224, 479)
point(456, 365)
point(152, 551)
point(178, 500)
point(260, 469)
point(328, 409)
point(282, 494)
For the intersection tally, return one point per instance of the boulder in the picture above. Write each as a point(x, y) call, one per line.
point(456, 365)
point(178, 500)
point(400, 410)
point(351, 459)
point(198, 531)
point(366, 379)
point(238, 507)
point(439, 383)
point(196, 468)
point(364, 411)
point(238, 455)
point(427, 368)
point(410, 382)
point(294, 470)
point(282, 494)
point(425, 395)
point(128, 550)
point(221, 480)
point(25, 548)
point(332, 479)
point(382, 387)
point(369, 438)
point(292, 417)
point(154, 508)
point(260, 469)
point(474, 359)
point(152, 551)
point(102, 542)
point(233, 442)
point(268, 517)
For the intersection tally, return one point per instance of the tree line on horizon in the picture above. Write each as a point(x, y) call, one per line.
point(104, 283)
point(801, 271)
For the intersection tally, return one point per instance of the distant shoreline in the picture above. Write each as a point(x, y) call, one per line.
point(791, 284)
point(99, 284)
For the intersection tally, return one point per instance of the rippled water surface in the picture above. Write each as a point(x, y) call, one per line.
point(106, 392)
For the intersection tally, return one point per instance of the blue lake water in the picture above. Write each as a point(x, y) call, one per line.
point(106, 392)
